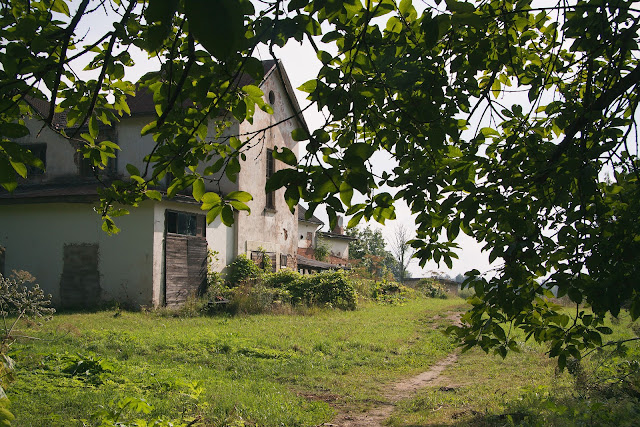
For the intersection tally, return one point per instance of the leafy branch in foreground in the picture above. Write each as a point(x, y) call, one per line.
point(501, 120)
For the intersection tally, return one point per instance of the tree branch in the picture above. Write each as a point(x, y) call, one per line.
point(69, 31)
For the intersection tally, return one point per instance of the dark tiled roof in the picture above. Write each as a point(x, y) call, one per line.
point(42, 108)
point(72, 191)
point(314, 264)
point(142, 102)
point(330, 235)
point(51, 193)
point(301, 216)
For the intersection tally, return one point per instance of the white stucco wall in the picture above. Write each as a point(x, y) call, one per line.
point(337, 246)
point(60, 158)
point(274, 230)
point(34, 236)
point(304, 228)
point(133, 146)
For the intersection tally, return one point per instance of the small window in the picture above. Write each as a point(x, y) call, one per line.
point(271, 168)
point(40, 152)
point(272, 97)
point(184, 223)
point(283, 260)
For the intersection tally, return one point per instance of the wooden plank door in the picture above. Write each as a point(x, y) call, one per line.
point(185, 264)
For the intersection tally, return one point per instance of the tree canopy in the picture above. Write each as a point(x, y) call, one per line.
point(370, 252)
point(504, 118)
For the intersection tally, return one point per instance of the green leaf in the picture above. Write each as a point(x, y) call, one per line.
point(161, 11)
point(406, 8)
point(210, 170)
point(132, 169)
point(13, 130)
point(286, 156)
point(211, 198)
point(359, 150)
point(20, 168)
point(355, 220)
point(7, 175)
point(154, 195)
point(108, 226)
point(253, 91)
point(240, 206)
point(346, 193)
point(299, 134)
point(309, 86)
point(218, 25)
point(562, 362)
point(93, 127)
point(148, 128)
point(241, 196)
point(198, 189)
point(174, 188)
point(575, 295)
point(61, 6)
point(213, 213)
point(227, 215)
point(233, 167)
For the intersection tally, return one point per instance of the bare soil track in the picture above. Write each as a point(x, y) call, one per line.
point(394, 392)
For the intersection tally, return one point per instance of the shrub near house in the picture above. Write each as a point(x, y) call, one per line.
point(250, 289)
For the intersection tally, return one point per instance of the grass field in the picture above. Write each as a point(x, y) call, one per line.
point(289, 370)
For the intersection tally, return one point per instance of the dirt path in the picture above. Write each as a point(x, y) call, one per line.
point(393, 393)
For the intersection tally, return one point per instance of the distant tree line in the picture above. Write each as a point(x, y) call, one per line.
point(369, 254)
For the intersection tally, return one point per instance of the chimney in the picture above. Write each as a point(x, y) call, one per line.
point(339, 228)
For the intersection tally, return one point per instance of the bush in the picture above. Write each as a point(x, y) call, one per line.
point(321, 251)
point(432, 289)
point(256, 299)
point(281, 278)
point(466, 293)
point(21, 298)
point(242, 270)
point(391, 292)
point(326, 288)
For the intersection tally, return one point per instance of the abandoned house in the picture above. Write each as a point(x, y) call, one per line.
point(311, 238)
point(48, 225)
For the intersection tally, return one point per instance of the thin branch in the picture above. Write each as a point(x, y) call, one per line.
point(69, 31)
point(103, 71)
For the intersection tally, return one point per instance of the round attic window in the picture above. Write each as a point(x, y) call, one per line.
point(272, 97)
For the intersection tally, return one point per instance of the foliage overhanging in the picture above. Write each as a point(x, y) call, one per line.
point(503, 116)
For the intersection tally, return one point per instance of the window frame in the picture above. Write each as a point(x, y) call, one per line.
point(270, 169)
point(173, 216)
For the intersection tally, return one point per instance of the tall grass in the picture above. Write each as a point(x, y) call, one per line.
point(267, 370)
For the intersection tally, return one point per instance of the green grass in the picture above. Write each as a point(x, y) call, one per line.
point(294, 370)
point(527, 389)
point(266, 370)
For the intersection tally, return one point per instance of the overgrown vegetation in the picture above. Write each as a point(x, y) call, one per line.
point(261, 370)
point(528, 389)
point(297, 370)
point(20, 299)
point(250, 288)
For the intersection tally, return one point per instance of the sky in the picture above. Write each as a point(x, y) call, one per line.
point(302, 65)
